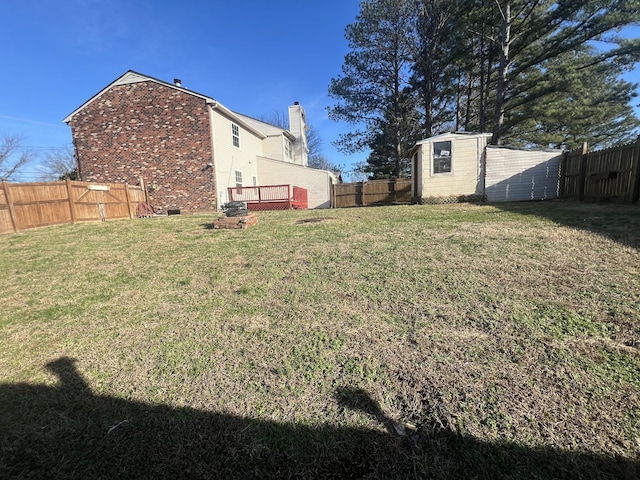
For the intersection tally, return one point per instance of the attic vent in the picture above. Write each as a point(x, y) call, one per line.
point(177, 82)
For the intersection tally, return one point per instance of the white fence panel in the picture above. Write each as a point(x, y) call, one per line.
point(316, 182)
point(514, 175)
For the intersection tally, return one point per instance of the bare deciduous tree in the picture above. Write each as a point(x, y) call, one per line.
point(280, 119)
point(13, 155)
point(314, 142)
point(59, 164)
point(322, 163)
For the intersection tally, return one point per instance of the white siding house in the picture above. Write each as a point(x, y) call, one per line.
point(236, 145)
point(251, 152)
point(278, 142)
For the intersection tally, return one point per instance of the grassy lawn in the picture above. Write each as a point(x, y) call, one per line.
point(447, 341)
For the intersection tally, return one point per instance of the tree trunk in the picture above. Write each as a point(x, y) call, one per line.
point(470, 94)
point(484, 61)
point(503, 73)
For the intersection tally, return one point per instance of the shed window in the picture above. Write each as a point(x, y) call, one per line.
point(442, 157)
point(238, 178)
point(235, 133)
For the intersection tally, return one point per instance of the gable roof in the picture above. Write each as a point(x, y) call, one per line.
point(131, 77)
point(446, 136)
point(451, 136)
point(267, 128)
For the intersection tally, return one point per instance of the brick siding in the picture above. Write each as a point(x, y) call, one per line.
point(152, 131)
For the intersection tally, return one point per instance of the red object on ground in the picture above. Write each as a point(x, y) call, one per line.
point(144, 210)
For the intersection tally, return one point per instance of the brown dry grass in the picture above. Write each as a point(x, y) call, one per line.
point(507, 336)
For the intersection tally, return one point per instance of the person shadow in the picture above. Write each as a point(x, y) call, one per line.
point(68, 432)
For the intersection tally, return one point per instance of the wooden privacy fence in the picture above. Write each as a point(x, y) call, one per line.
point(31, 205)
point(612, 174)
point(373, 192)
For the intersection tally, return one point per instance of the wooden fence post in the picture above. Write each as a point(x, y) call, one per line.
point(144, 189)
point(583, 172)
point(634, 195)
point(563, 175)
point(363, 193)
point(127, 195)
point(72, 208)
point(12, 210)
point(635, 172)
point(332, 194)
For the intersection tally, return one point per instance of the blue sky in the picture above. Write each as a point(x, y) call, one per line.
point(255, 56)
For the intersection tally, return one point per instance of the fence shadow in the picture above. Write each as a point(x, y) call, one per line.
point(67, 432)
point(620, 223)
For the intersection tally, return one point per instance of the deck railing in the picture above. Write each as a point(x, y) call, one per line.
point(270, 197)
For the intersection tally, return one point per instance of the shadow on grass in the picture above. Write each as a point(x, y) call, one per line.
point(68, 432)
point(620, 223)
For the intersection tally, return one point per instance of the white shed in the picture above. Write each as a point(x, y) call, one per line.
point(449, 166)
point(461, 166)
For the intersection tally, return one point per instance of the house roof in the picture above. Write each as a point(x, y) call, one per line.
point(134, 77)
point(267, 128)
point(451, 136)
point(446, 136)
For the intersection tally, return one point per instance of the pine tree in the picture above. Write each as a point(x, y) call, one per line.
point(372, 92)
point(533, 33)
point(396, 137)
point(525, 70)
point(476, 62)
point(589, 105)
point(437, 44)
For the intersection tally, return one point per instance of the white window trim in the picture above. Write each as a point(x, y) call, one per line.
point(432, 157)
point(236, 172)
point(288, 149)
point(235, 137)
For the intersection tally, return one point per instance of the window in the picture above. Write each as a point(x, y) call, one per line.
point(255, 181)
point(287, 149)
point(238, 178)
point(235, 132)
point(442, 157)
